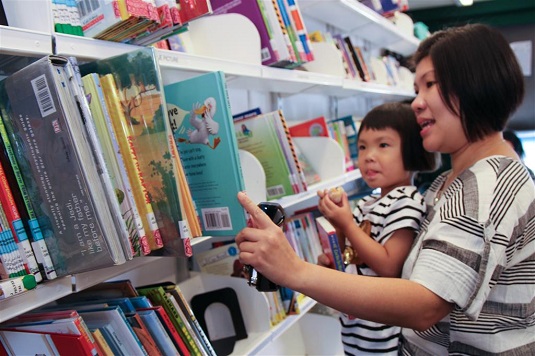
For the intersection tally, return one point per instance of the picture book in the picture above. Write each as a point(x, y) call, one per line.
point(310, 128)
point(351, 126)
point(329, 242)
point(201, 120)
point(147, 129)
point(276, 34)
point(190, 10)
point(142, 333)
point(258, 135)
point(65, 185)
point(221, 260)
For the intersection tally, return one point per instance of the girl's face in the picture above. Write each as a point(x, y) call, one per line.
point(441, 129)
point(380, 161)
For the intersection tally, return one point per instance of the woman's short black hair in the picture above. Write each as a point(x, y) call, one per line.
point(400, 118)
point(476, 68)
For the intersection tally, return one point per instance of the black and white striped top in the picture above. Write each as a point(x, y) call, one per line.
point(401, 208)
point(476, 249)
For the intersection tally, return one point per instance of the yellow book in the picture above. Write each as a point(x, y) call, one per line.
point(129, 155)
point(101, 342)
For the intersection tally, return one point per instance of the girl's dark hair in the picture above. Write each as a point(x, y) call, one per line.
point(476, 68)
point(400, 118)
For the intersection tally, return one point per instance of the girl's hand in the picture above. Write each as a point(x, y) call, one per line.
point(264, 246)
point(340, 215)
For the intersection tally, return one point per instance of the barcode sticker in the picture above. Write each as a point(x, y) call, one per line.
point(43, 96)
point(216, 219)
point(275, 190)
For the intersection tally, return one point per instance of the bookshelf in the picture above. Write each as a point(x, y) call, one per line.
point(32, 40)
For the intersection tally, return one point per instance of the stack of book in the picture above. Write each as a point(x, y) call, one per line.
point(111, 318)
point(128, 21)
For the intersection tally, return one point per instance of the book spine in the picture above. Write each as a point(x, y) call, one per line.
point(296, 42)
point(131, 163)
point(38, 243)
point(158, 297)
point(300, 174)
point(190, 316)
point(17, 227)
point(285, 34)
point(10, 254)
point(299, 25)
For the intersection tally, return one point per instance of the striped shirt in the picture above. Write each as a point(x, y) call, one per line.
point(401, 208)
point(476, 249)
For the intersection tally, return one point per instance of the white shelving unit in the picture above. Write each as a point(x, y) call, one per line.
point(348, 16)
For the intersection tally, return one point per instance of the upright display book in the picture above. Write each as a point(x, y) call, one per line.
point(258, 135)
point(146, 125)
point(46, 128)
point(310, 128)
point(200, 117)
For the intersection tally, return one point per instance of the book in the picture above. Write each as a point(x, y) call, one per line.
point(26, 210)
point(176, 294)
point(104, 348)
point(310, 128)
point(201, 120)
point(159, 297)
point(221, 260)
point(191, 10)
point(158, 332)
point(351, 125)
point(251, 10)
point(143, 334)
point(113, 321)
point(10, 255)
point(73, 212)
point(77, 88)
point(17, 227)
point(18, 342)
point(14, 286)
point(258, 135)
point(115, 165)
point(359, 65)
point(277, 35)
point(146, 126)
point(298, 25)
point(171, 330)
point(59, 322)
point(329, 242)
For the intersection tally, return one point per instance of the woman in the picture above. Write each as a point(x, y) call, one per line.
point(468, 284)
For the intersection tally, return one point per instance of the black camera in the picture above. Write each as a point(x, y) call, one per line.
point(262, 284)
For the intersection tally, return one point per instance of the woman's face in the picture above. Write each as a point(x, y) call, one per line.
point(442, 130)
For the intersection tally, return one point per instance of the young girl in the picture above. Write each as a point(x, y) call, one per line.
point(381, 229)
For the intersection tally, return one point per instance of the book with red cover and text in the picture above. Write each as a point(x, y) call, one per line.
point(329, 242)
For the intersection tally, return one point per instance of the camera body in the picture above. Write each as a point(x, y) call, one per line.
point(257, 280)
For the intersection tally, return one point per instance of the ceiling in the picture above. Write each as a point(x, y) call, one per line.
point(437, 14)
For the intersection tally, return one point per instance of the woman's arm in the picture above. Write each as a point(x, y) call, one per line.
point(391, 301)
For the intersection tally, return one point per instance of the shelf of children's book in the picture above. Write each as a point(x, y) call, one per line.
point(301, 201)
point(45, 292)
point(355, 19)
point(22, 42)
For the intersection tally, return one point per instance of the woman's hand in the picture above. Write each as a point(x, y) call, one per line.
point(264, 246)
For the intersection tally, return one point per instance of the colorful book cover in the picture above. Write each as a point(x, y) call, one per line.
point(351, 132)
point(251, 10)
point(73, 212)
point(329, 242)
point(202, 124)
point(146, 125)
point(310, 128)
point(258, 135)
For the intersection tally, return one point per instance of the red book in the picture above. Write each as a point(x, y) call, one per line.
point(310, 128)
point(329, 242)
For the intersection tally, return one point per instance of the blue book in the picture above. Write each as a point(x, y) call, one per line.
point(203, 128)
